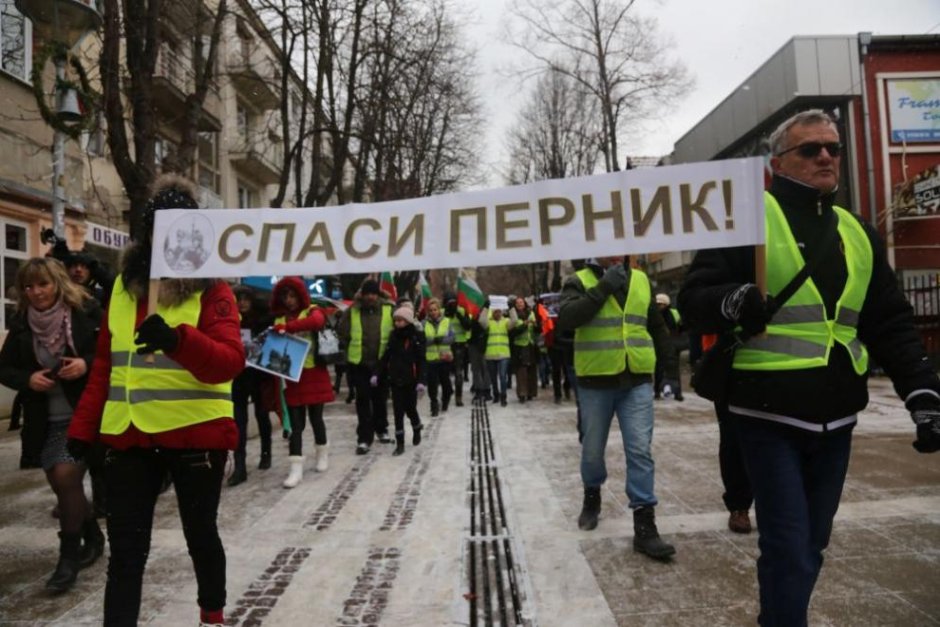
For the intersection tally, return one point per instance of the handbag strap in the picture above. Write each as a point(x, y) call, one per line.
point(822, 245)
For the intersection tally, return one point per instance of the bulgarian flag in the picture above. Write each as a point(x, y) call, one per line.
point(469, 295)
point(387, 284)
point(424, 293)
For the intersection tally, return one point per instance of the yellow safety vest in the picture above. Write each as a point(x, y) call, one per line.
point(800, 334)
point(161, 396)
point(524, 338)
point(497, 339)
point(435, 352)
point(354, 352)
point(309, 361)
point(616, 338)
point(461, 335)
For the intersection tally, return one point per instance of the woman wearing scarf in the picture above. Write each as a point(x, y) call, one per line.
point(46, 358)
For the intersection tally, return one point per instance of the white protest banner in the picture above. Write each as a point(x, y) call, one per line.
point(684, 207)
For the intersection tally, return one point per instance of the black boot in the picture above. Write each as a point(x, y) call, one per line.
point(240, 474)
point(265, 462)
point(93, 543)
point(416, 434)
point(502, 400)
point(66, 571)
point(399, 443)
point(591, 509)
point(459, 401)
point(646, 538)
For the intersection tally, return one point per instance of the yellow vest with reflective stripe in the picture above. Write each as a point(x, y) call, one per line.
point(354, 352)
point(434, 352)
point(616, 338)
point(524, 338)
point(161, 396)
point(800, 335)
point(461, 335)
point(497, 339)
point(309, 361)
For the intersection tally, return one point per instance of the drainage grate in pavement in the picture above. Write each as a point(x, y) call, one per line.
point(325, 515)
point(405, 502)
point(495, 594)
point(369, 596)
point(263, 593)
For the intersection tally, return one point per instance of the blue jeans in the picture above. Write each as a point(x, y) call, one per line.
point(797, 481)
point(634, 409)
point(499, 376)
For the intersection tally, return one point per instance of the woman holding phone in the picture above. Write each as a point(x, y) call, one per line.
point(46, 358)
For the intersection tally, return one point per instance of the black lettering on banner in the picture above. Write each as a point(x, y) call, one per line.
point(662, 201)
point(456, 215)
point(223, 243)
point(318, 241)
point(267, 229)
point(698, 207)
point(351, 232)
point(414, 230)
point(590, 216)
point(546, 222)
point(503, 226)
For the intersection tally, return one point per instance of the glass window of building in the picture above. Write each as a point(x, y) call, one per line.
point(15, 33)
point(13, 253)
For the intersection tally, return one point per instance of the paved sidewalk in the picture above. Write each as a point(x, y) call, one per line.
point(477, 526)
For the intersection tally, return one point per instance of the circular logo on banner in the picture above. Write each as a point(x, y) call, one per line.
point(189, 243)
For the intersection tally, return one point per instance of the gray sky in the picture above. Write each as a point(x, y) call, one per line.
point(721, 42)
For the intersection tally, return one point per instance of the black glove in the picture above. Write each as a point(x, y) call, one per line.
point(78, 449)
point(614, 279)
point(156, 335)
point(925, 412)
point(746, 306)
point(486, 304)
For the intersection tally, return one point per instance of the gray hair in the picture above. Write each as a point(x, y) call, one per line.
point(803, 118)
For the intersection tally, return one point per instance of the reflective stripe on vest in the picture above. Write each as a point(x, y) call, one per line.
point(497, 339)
point(616, 338)
point(461, 335)
point(159, 396)
point(800, 335)
point(434, 352)
point(354, 352)
point(309, 360)
point(524, 338)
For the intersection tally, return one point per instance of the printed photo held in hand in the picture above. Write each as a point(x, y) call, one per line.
point(280, 354)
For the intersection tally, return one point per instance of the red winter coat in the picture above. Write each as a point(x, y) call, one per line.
point(212, 352)
point(315, 386)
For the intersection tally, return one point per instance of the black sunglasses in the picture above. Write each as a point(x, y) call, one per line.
point(811, 150)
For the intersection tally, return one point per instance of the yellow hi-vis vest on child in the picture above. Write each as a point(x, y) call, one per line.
point(616, 338)
point(497, 339)
point(354, 352)
point(800, 335)
point(161, 396)
point(309, 361)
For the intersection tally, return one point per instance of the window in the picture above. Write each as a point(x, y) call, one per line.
point(163, 149)
point(13, 253)
point(246, 196)
point(16, 57)
point(209, 161)
point(243, 122)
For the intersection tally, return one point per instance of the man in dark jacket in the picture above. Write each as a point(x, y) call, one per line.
point(619, 335)
point(797, 386)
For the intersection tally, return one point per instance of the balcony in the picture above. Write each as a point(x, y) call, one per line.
point(253, 75)
point(260, 161)
point(173, 81)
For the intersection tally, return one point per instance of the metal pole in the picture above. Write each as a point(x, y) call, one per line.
point(58, 165)
point(864, 39)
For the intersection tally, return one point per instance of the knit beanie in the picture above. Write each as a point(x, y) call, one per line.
point(405, 313)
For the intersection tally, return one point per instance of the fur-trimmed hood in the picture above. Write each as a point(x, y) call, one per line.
point(135, 271)
point(289, 282)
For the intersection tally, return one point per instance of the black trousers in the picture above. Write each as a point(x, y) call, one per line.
point(133, 478)
point(245, 389)
point(734, 477)
point(371, 404)
point(439, 376)
point(298, 420)
point(557, 357)
point(404, 403)
point(460, 364)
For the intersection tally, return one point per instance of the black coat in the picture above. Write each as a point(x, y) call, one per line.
point(885, 323)
point(18, 363)
point(405, 357)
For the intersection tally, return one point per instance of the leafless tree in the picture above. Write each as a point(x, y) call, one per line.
point(610, 49)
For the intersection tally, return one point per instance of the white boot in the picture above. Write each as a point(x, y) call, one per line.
point(296, 471)
point(323, 457)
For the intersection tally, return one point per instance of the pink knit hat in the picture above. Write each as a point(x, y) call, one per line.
point(405, 313)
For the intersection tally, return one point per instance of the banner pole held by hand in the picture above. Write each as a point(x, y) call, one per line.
point(760, 268)
point(153, 294)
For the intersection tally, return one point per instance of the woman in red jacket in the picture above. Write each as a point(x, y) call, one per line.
point(171, 413)
point(290, 303)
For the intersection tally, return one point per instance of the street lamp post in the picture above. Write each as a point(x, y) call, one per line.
point(62, 23)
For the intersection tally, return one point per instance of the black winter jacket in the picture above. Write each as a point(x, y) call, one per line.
point(817, 395)
point(405, 358)
point(18, 362)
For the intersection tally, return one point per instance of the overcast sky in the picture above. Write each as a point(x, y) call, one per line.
point(721, 42)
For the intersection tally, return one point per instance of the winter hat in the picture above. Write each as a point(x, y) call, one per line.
point(663, 299)
point(405, 313)
point(170, 191)
point(370, 286)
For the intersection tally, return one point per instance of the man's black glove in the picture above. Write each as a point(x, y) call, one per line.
point(156, 335)
point(925, 412)
point(614, 279)
point(78, 449)
point(746, 306)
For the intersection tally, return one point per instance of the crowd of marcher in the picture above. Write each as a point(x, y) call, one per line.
point(147, 394)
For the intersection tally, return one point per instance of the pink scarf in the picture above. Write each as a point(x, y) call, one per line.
point(52, 328)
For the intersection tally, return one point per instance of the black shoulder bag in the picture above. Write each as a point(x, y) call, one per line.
point(712, 374)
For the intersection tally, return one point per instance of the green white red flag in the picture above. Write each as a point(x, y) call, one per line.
point(424, 293)
point(387, 284)
point(469, 295)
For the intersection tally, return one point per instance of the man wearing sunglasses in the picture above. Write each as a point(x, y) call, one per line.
point(799, 381)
